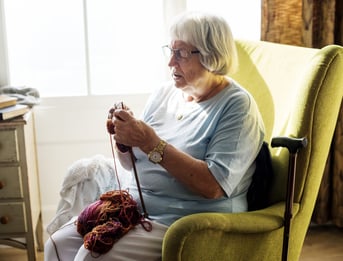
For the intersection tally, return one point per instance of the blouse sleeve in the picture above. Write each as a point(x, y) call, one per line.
point(235, 144)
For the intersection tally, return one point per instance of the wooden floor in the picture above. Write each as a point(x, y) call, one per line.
point(321, 243)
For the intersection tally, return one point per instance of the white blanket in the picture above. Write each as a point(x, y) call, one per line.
point(85, 181)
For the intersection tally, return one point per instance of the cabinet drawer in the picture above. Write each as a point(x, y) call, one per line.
point(12, 218)
point(10, 182)
point(8, 145)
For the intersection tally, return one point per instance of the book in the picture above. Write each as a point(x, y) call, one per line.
point(13, 111)
point(6, 101)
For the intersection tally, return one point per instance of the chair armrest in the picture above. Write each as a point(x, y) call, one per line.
point(245, 222)
point(254, 222)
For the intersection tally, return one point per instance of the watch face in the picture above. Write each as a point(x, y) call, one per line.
point(155, 157)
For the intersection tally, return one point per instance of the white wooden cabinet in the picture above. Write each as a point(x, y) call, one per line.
point(20, 208)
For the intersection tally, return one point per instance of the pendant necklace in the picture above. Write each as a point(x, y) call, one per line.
point(185, 107)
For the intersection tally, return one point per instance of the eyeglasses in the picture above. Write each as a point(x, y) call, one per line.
point(179, 54)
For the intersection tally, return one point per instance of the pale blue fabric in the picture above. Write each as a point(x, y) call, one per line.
point(226, 131)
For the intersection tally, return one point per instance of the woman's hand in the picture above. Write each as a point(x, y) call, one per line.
point(110, 124)
point(117, 106)
point(127, 131)
point(133, 132)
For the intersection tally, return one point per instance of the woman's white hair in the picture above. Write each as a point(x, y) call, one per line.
point(212, 36)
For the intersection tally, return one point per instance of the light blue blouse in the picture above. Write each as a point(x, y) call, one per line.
point(226, 131)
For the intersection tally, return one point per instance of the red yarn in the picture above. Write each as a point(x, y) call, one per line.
point(102, 237)
point(105, 221)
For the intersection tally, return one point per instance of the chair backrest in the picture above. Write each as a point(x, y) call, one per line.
point(299, 92)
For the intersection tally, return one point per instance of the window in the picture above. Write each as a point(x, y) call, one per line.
point(78, 47)
point(244, 16)
point(95, 47)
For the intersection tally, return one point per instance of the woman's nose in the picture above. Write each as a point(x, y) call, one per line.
point(172, 60)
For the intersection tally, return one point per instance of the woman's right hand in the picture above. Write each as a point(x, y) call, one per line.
point(110, 123)
point(117, 106)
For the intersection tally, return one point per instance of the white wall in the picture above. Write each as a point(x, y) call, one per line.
point(68, 129)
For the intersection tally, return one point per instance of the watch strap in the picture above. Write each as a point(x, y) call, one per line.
point(158, 149)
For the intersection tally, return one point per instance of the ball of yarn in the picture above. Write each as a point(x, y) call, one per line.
point(88, 218)
point(102, 237)
point(105, 221)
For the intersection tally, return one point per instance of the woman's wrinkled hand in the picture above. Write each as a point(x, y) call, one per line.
point(128, 131)
point(110, 123)
point(110, 117)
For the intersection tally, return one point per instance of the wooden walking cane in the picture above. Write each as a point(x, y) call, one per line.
point(293, 145)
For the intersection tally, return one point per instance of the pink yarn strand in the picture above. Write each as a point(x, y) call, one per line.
point(114, 163)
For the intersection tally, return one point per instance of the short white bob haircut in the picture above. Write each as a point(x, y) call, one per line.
point(212, 36)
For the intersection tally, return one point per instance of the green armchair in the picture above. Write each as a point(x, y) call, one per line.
point(299, 91)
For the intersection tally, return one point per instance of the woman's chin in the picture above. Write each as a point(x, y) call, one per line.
point(179, 83)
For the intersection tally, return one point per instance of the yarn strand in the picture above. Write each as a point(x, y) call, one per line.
point(105, 221)
point(114, 162)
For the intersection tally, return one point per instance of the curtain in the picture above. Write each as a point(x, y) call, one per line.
point(313, 23)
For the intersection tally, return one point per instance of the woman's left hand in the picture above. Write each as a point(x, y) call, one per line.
point(133, 132)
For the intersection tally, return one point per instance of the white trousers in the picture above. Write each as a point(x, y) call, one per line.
point(66, 244)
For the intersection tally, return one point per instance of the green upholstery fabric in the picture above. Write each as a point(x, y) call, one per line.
point(299, 92)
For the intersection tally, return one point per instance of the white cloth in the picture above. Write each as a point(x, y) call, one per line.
point(85, 181)
point(66, 244)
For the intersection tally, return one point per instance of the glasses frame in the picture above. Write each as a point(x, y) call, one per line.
point(177, 53)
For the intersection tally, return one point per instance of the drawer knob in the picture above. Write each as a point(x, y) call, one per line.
point(4, 220)
point(2, 185)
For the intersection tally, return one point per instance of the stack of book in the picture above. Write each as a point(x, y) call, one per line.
point(10, 109)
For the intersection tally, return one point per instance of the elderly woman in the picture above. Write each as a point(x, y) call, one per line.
point(195, 145)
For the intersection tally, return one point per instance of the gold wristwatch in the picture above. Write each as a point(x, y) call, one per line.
point(156, 155)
